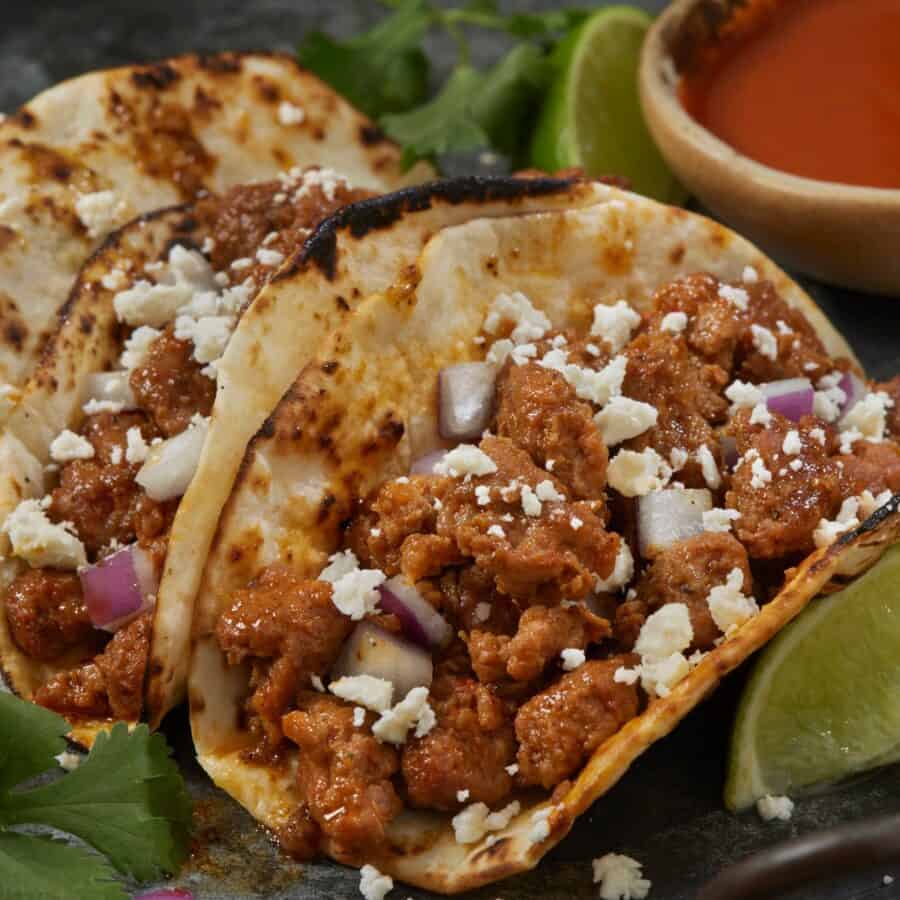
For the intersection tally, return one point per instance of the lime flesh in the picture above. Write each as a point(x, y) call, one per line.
point(592, 116)
point(823, 702)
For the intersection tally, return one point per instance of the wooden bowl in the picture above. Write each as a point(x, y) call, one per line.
point(843, 234)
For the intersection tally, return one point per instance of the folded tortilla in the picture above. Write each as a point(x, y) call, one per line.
point(326, 445)
point(87, 155)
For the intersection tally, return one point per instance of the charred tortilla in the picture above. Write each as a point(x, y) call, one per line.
point(356, 419)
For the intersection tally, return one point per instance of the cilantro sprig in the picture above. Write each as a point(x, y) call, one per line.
point(127, 801)
point(384, 72)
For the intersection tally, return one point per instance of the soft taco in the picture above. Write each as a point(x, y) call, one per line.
point(520, 514)
point(109, 430)
point(88, 155)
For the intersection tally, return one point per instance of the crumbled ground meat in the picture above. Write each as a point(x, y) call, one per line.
point(170, 385)
point(554, 556)
point(687, 395)
point(300, 837)
point(109, 687)
point(780, 512)
point(344, 775)
point(46, 613)
point(290, 629)
point(686, 572)
point(892, 389)
point(467, 749)
point(544, 632)
point(100, 497)
point(241, 219)
point(537, 410)
point(561, 726)
point(872, 466)
point(468, 594)
point(630, 618)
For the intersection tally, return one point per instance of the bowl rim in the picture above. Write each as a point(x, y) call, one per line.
point(658, 77)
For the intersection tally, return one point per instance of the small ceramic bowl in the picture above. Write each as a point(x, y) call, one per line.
point(843, 234)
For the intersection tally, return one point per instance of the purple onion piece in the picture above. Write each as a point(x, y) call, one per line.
point(425, 464)
point(791, 397)
point(118, 588)
point(855, 389)
point(421, 622)
point(465, 400)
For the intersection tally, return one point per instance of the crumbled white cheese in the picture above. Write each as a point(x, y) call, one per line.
point(623, 418)
point(620, 878)
point(635, 474)
point(615, 323)
point(531, 505)
point(355, 594)
point(624, 675)
point(290, 114)
point(373, 885)
point(659, 676)
point(100, 212)
point(137, 448)
point(268, 257)
point(678, 456)
point(869, 416)
point(327, 180)
point(847, 439)
point(512, 769)
point(116, 454)
point(818, 434)
point(770, 808)
point(339, 564)
point(482, 611)
point(622, 573)
point(760, 475)
point(67, 446)
point(466, 460)
point(589, 384)
point(137, 345)
point(829, 399)
point(738, 296)
point(575, 523)
point(40, 542)
point(317, 683)
point(366, 690)
point(547, 493)
point(869, 503)
point(530, 324)
point(749, 275)
point(792, 444)
point(729, 606)
point(462, 796)
point(95, 407)
point(744, 395)
point(476, 820)
point(496, 531)
point(540, 825)
point(662, 639)
point(413, 709)
point(572, 658)
point(795, 465)
point(708, 467)
point(719, 519)
point(827, 532)
point(674, 322)
point(359, 717)
point(114, 280)
point(760, 415)
point(783, 327)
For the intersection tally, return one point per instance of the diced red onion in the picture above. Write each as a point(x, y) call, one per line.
point(119, 587)
point(855, 389)
point(791, 397)
point(171, 465)
point(730, 453)
point(665, 517)
point(425, 464)
point(113, 387)
point(165, 894)
point(465, 400)
point(421, 622)
point(371, 650)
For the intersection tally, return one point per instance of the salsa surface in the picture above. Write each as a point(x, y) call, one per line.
point(815, 91)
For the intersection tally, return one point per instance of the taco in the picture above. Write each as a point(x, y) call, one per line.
point(87, 155)
point(522, 512)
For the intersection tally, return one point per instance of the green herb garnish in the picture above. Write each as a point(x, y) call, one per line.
point(127, 800)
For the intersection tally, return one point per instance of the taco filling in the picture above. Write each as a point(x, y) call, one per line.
point(612, 506)
point(93, 548)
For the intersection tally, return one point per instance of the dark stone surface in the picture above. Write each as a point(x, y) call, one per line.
point(667, 812)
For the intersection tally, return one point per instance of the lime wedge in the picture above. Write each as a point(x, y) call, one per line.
point(823, 701)
point(592, 117)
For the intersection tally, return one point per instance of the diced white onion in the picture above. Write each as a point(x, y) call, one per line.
point(668, 516)
point(171, 465)
point(112, 387)
point(465, 400)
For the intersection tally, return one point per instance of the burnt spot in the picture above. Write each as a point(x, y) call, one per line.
point(676, 254)
point(7, 236)
point(325, 507)
point(223, 63)
point(330, 367)
point(391, 430)
point(47, 164)
point(380, 213)
point(159, 76)
point(235, 554)
point(268, 92)
point(342, 304)
point(326, 442)
point(268, 428)
point(491, 265)
point(318, 133)
point(204, 103)
point(86, 324)
point(24, 118)
point(15, 333)
point(371, 134)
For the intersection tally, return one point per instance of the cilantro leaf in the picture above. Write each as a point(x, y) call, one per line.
point(380, 71)
point(444, 124)
point(31, 738)
point(507, 100)
point(532, 25)
point(38, 866)
point(127, 800)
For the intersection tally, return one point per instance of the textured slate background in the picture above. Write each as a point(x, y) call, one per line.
point(668, 811)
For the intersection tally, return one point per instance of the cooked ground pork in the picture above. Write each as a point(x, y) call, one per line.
point(685, 573)
point(46, 613)
point(892, 389)
point(562, 725)
point(871, 466)
point(467, 750)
